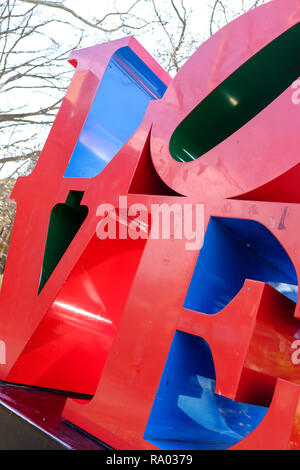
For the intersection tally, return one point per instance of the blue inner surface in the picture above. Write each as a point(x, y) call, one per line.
point(186, 413)
point(235, 250)
point(127, 87)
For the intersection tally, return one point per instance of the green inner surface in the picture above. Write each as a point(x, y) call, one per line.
point(239, 98)
point(65, 221)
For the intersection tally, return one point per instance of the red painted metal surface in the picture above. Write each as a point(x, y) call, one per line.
point(250, 160)
point(52, 336)
point(234, 336)
point(54, 340)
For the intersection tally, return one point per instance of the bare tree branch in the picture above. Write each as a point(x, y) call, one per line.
point(33, 61)
point(98, 24)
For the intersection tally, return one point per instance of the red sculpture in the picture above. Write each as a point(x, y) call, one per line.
point(147, 326)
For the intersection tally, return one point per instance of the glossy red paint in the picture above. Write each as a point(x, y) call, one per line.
point(234, 335)
point(81, 323)
point(250, 160)
point(54, 339)
point(279, 430)
point(52, 336)
point(119, 411)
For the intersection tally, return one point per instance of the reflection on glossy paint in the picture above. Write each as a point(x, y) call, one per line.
point(186, 413)
point(233, 101)
point(239, 98)
point(212, 419)
point(235, 250)
point(289, 290)
point(125, 91)
point(270, 350)
point(83, 319)
point(71, 308)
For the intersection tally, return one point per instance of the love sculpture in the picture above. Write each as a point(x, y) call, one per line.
point(181, 349)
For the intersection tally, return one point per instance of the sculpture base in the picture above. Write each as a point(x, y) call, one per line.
point(30, 419)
